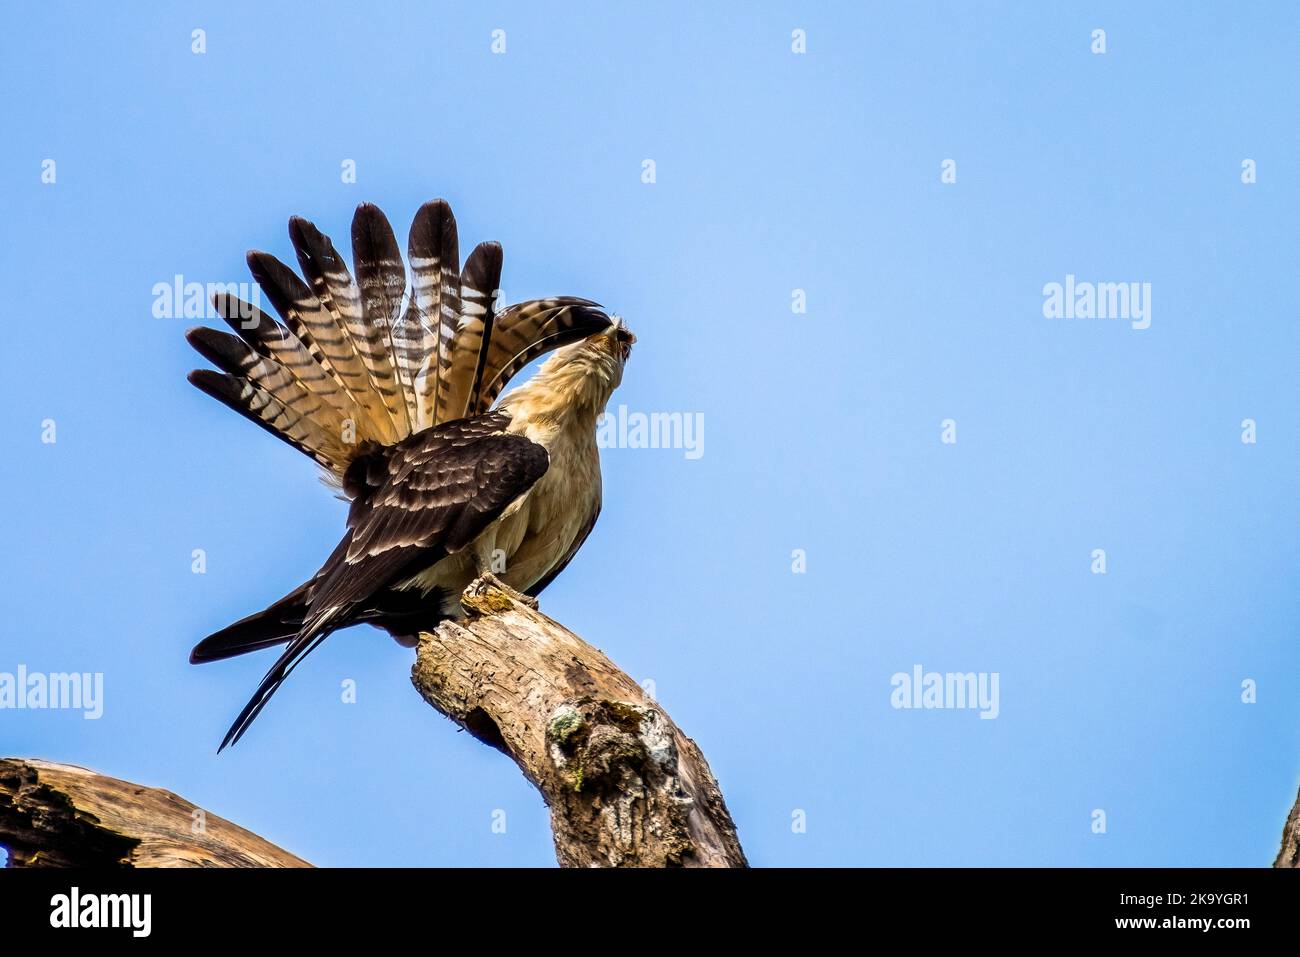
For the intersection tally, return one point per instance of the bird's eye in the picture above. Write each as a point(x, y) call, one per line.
point(624, 338)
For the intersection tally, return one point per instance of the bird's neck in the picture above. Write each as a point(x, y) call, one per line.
point(564, 397)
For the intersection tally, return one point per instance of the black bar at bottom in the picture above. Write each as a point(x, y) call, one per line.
point(330, 905)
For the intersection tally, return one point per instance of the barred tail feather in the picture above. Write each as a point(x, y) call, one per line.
point(260, 406)
point(463, 373)
point(381, 278)
point(231, 354)
point(337, 293)
point(340, 377)
point(430, 322)
point(272, 340)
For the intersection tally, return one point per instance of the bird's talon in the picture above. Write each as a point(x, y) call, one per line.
point(490, 579)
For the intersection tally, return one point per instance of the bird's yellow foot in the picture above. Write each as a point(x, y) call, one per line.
point(489, 579)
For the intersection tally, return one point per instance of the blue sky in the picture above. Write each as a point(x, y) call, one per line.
point(775, 171)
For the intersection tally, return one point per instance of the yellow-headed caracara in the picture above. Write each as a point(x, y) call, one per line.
point(390, 393)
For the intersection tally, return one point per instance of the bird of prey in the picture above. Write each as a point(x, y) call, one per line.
point(391, 392)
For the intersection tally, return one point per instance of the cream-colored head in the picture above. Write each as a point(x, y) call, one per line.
point(600, 357)
point(577, 379)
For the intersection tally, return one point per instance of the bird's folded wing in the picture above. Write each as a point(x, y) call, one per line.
point(427, 497)
point(437, 492)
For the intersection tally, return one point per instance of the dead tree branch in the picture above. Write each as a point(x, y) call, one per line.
point(60, 815)
point(1289, 855)
point(625, 786)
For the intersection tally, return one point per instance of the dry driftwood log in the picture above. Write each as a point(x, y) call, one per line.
point(60, 815)
point(1289, 855)
point(624, 785)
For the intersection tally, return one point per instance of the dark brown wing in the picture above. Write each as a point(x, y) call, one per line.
point(425, 498)
point(436, 493)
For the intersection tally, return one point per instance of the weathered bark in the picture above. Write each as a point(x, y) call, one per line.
point(1289, 855)
point(60, 815)
point(625, 786)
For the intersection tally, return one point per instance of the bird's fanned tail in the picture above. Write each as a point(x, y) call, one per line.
point(359, 364)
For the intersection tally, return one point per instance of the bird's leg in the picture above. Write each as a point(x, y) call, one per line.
point(491, 579)
point(486, 557)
